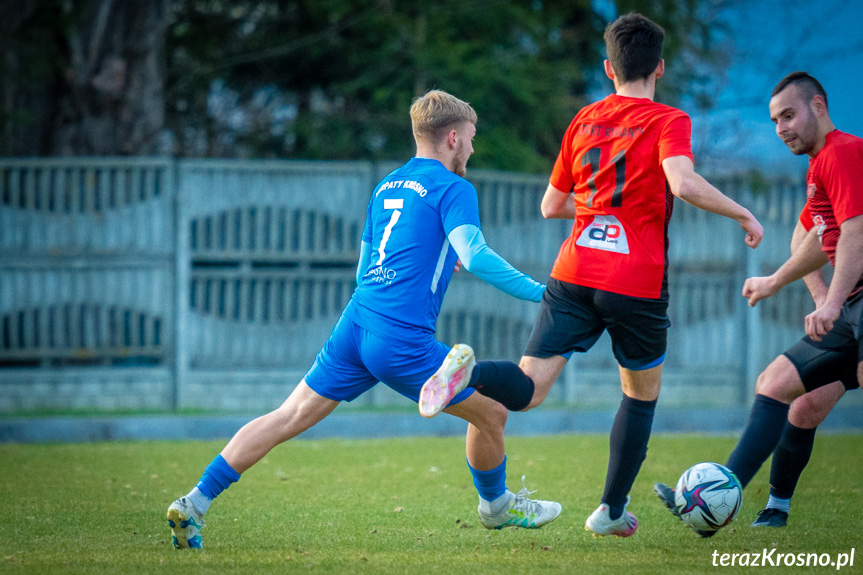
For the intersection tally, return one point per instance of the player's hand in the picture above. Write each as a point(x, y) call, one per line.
point(759, 288)
point(754, 232)
point(820, 321)
point(457, 266)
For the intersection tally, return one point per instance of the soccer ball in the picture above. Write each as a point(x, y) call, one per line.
point(708, 496)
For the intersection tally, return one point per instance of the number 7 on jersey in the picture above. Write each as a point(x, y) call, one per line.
point(395, 204)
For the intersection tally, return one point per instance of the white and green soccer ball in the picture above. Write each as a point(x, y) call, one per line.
point(708, 496)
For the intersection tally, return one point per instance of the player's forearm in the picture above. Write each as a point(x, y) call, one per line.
point(493, 269)
point(482, 261)
point(817, 286)
point(695, 190)
point(849, 261)
point(806, 259)
point(814, 281)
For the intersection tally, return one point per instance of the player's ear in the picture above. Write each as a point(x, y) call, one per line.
point(452, 138)
point(609, 70)
point(818, 105)
point(660, 69)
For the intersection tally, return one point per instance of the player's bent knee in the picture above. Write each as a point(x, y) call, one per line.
point(497, 414)
point(492, 422)
point(482, 412)
point(780, 381)
point(806, 417)
point(810, 409)
point(641, 384)
point(774, 389)
point(543, 372)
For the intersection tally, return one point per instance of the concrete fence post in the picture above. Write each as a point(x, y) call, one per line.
point(181, 291)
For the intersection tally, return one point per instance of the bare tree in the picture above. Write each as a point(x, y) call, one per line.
point(92, 85)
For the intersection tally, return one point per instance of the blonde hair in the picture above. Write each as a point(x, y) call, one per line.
point(433, 113)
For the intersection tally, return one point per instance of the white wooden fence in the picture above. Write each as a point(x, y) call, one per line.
point(129, 283)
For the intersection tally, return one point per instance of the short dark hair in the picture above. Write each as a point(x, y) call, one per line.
point(634, 46)
point(809, 86)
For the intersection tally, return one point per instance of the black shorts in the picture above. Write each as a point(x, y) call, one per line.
point(836, 356)
point(572, 317)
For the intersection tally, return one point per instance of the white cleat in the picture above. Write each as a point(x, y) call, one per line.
point(522, 512)
point(448, 381)
point(186, 524)
point(601, 523)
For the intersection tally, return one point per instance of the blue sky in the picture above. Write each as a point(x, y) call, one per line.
point(769, 39)
point(772, 38)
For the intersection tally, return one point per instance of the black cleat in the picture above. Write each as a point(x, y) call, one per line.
point(771, 518)
point(666, 495)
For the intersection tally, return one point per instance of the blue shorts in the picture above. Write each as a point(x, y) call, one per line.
point(354, 360)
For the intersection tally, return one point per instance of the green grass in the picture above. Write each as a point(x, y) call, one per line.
point(391, 506)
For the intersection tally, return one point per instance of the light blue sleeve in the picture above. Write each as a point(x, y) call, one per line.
point(365, 260)
point(483, 262)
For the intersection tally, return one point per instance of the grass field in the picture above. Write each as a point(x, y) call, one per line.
point(392, 506)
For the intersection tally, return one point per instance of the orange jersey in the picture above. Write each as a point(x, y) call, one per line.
point(611, 160)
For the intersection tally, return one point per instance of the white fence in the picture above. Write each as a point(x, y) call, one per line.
point(222, 279)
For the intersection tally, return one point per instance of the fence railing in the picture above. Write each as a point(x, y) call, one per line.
point(241, 267)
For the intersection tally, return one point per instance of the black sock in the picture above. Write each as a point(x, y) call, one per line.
point(628, 448)
point(759, 439)
point(504, 382)
point(789, 459)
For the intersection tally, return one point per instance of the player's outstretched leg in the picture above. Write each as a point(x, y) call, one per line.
point(448, 381)
point(517, 510)
point(666, 495)
point(601, 523)
point(186, 524)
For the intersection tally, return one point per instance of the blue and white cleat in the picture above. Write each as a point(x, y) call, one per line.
point(186, 524)
point(522, 512)
point(448, 381)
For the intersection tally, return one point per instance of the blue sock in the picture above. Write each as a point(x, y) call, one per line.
point(490, 484)
point(217, 477)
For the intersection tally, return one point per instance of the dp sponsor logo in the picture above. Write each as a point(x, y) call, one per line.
point(604, 233)
point(607, 233)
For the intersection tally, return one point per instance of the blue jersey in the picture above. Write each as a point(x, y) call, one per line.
point(410, 214)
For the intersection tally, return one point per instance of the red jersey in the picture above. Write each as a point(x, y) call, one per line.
point(611, 159)
point(834, 190)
